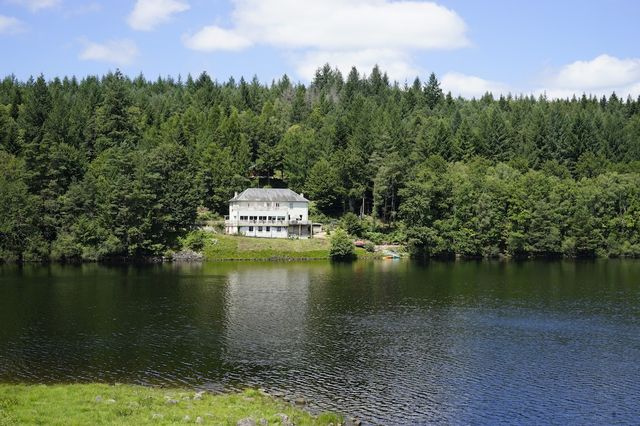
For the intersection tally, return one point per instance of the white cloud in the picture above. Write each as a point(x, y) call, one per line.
point(215, 38)
point(119, 52)
point(36, 5)
point(395, 63)
point(10, 25)
point(600, 76)
point(348, 31)
point(147, 14)
point(470, 86)
point(603, 71)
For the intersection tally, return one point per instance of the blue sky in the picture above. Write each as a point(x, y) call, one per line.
point(555, 47)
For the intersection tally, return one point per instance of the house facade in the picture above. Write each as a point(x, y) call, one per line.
point(269, 213)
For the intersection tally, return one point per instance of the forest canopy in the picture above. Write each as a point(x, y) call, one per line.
point(113, 166)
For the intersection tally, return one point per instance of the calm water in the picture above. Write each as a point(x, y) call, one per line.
point(391, 342)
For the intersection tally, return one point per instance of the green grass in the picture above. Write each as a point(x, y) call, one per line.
point(236, 247)
point(91, 404)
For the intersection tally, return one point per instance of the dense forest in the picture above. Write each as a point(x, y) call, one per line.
point(114, 166)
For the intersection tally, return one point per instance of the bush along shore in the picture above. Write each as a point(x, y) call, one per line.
point(124, 404)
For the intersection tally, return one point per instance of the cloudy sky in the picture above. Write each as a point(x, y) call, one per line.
point(559, 47)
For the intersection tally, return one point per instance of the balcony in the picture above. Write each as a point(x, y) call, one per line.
point(261, 208)
point(299, 222)
point(236, 222)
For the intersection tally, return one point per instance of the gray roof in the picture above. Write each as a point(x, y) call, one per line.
point(268, 194)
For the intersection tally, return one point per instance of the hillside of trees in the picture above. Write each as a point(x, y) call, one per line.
point(112, 166)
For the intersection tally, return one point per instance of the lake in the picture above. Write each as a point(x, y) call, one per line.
point(392, 342)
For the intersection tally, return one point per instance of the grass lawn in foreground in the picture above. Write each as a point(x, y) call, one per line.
point(90, 404)
point(237, 247)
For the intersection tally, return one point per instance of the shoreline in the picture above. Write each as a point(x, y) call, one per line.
point(96, 403)
point(154, 261)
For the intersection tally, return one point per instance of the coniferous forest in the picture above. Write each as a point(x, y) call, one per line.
point(113, 166)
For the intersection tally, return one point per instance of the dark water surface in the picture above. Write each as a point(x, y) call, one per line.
point(391, 342)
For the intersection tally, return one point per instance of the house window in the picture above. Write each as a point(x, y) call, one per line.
point(277, 205)
point(290, 205)
point(278, 228)
point(251, 229)
point(268, 228)
point(259, 228)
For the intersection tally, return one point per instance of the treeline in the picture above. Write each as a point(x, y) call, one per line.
point(478, 209)
point(115, 166)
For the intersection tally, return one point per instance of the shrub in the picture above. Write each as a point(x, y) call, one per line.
point(352, 224)
point(65, 247)
point(341, 246)
point(370, 246)
point(204, 214)
point(376, 237)
point(399, 235)
point(37, 249)
point(195, 240)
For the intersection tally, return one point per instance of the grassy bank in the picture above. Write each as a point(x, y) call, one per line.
point(104, 404)
point(227, 247)
point(215, 246)
point(235, 247)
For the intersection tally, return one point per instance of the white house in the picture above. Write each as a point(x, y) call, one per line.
point(269, 213)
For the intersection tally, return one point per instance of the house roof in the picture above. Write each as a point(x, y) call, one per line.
point(268, 194)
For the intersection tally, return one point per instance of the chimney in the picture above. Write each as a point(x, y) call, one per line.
point(235, 195)
point(302, 194)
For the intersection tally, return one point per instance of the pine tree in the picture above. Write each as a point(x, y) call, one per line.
point(465, 141)
point(323, 185)
point(115, 126)
point(432, 92)
point(495, 136)
point(32, 121)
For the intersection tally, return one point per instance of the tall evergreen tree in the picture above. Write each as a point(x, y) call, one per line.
point(115, 125)
point(432, 92)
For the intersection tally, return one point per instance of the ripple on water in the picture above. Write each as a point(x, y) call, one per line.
point(451, 343)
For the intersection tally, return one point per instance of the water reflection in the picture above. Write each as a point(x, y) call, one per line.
point(392, 342)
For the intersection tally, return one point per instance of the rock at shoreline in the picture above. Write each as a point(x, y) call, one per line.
point(284, 419)
point(187, 256)
point(246, 422)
